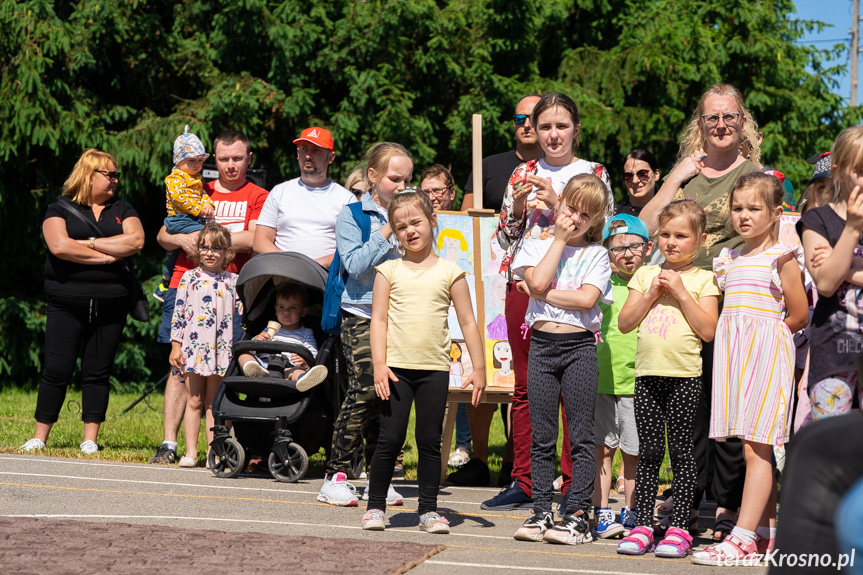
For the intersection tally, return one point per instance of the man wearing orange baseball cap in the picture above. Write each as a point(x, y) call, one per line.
point(300, 214)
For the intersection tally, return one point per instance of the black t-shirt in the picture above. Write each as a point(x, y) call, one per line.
point(837, 324)
point(72, 279)
point(496, 171)
point(625, 207)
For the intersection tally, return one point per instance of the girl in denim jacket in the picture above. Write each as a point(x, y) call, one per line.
point(388, 171)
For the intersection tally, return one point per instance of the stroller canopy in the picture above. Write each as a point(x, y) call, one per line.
point(264, 272)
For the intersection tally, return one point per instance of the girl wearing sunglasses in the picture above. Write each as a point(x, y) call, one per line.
point(640, 176)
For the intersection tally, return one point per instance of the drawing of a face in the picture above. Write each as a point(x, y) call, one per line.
point(502, 352)
point(455, 352)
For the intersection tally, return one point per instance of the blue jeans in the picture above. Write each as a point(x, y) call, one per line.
point(178, 224)
point(462, 428)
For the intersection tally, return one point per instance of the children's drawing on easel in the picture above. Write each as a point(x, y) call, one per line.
point(503, 376)
point(455, 367)
point(455, 243)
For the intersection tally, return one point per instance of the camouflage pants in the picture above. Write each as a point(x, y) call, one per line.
point(359, 417)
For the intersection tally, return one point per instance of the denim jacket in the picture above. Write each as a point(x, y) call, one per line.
point(358, 258)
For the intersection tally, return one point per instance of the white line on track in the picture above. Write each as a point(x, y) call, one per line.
point(528, 568)
point(195, 485)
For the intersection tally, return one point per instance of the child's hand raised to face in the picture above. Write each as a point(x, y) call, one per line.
point(564, 226)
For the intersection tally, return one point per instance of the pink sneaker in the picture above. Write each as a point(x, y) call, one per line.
point(731, 552)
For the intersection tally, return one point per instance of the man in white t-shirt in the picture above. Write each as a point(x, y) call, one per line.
point(300, 215)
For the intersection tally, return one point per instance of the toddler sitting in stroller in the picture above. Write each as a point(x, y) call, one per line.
point(291, 307)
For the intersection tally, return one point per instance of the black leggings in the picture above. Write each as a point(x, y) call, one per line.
point(72, 323)
point(429, 389)
point(562, 365)
point(661, 402)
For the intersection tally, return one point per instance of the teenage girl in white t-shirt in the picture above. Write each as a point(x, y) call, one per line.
point(410, 353)
point(565, 275)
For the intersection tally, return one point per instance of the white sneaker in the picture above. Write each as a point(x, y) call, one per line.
point(315, 375)
point(32, 445)
point(337, 491)
point(89, 447)
point(254, 369)
point(394, 498)
point(458, 458)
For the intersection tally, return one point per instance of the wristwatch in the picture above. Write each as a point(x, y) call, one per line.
point(92, 242)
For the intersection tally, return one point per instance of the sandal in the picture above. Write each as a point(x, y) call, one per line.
point(638, 542)
point(722, 528)
point(692, 526)
point(621, 486)
point(665, 508)
point(676, 544)
point(731, 551)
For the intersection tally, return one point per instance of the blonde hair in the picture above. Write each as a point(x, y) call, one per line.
point(78, 185)
point(454, 234)
point(412, 198)
point(693, 139)
point(354, 178)
point(692, 213)
point(846, 153)
point(218, 236)
point(589, 193)
point(378, 158)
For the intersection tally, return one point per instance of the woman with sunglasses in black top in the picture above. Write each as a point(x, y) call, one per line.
point(640, 176)
point(88, 232)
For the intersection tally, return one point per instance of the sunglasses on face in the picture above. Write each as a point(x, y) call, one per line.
point(218, 250)
point(520, 119)
point(642, 175)
point(712, 120)
point(110, 175)
point(633, 249)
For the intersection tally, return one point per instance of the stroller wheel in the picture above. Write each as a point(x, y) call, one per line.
point(232, 463)
point(293, 468)
point(358, 462)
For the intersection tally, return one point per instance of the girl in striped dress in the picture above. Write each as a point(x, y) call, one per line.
point(753, 369)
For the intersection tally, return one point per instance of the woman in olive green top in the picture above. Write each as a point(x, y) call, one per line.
point(716, 130)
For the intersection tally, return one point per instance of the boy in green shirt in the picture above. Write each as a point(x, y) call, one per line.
point(628, 244)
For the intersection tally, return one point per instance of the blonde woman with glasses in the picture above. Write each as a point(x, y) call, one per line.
point(88, 231)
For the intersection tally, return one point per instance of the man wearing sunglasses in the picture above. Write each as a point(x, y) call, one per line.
point(497, 169)
point(238, 203)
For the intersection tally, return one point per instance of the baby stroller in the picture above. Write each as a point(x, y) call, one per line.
point(268, 415)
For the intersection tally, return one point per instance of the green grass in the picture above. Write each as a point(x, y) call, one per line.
point(134, 436)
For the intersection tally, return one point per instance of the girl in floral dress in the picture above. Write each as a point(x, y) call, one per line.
point(202, 330)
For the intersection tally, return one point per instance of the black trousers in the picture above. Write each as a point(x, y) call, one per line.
point(429, 390)
point(91, 329)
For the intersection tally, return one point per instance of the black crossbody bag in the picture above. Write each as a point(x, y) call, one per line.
point(139, 307)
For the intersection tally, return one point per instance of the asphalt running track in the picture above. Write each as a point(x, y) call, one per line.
point(480, 543)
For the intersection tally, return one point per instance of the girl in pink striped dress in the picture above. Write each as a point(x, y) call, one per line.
point(753, 369)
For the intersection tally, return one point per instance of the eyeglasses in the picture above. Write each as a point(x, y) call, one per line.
point(218, 250)
point(437, 192)
point(631, 248)
point(110, 175)
point(520, 119)
point(357, 191)
point(730, 119)
point(641, 174)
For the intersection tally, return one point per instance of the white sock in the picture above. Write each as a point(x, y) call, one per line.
point(171, 444)
point(765, 532)
point(743, 534)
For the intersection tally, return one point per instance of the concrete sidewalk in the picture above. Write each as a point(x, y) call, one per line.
point(480, 542)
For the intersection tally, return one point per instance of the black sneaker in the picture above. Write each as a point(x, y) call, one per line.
point(164, 454)
point(571, 530)
point(535, 527)
point(510, 497)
